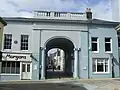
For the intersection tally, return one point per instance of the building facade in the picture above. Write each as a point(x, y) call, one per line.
point(2, 25)
point(90, 46)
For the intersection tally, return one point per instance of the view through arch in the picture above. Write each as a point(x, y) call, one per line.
point(56, 60)
point(59, 59)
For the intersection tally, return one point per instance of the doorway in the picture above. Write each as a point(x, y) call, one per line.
point(26, 71)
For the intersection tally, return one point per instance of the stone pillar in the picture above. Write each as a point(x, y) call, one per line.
point(75, 74)
point(43, 63)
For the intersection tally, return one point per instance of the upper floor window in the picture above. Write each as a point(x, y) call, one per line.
point(57, 14)
point(108, 43)
point(24, 42)
point(48, 14)
point(94, 44)
point(7, 41)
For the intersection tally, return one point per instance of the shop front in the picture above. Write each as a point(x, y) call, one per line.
point(16, 67)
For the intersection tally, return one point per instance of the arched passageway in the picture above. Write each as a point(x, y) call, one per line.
point(68, 48)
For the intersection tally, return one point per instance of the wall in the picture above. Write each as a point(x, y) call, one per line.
point(16, 29)
point(10, 77)
point(45, 31)
point(36, 54)
point(69, 30)
point(1, 37)
point(102, 31)
point(83, 55)
point(1, 34)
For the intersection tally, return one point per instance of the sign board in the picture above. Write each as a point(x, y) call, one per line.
point(16, 57)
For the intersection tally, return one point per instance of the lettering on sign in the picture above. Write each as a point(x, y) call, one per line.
point(16, 57)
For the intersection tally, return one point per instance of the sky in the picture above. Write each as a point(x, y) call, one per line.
point(23, 8)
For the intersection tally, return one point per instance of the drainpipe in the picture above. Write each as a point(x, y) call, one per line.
point(40, 56)
point(0, 63)
point(88, 53)
point(89, 18)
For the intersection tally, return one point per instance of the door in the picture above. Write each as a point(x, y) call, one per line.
point(26, 70)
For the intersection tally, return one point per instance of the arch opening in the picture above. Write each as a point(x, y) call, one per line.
point(59, 50)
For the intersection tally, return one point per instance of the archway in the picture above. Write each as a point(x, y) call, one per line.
point(67, 46)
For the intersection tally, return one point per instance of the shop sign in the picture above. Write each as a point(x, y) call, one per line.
point(15, 56)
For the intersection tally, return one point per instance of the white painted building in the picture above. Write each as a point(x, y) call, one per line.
point(85, 41)
point(59, 57)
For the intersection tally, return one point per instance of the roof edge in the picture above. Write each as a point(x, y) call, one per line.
point(91, 21)
point(3, 21)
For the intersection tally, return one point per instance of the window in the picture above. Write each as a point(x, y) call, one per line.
point(100, 65)
point(24, 42)
point(48, 14)
point(58, 53)
point(10, 67)
point(57, 14)
point(28, 67)
point(108, 42)
point(94, 44)
point(7, 41)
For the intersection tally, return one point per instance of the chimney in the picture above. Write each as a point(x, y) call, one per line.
point(88, 13)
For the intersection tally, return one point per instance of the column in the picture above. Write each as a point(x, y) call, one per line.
point(75, 74)
point(43, 63)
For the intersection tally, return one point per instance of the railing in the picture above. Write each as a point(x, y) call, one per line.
point(59, 15)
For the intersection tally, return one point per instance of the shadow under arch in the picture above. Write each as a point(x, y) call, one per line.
point(68, 47)
point(65, 37)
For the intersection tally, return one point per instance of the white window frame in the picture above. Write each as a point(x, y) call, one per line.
point(96, 43)
point(110, 45)
point(28, 42)
point(103, 64)
point(10, 70)
point(4, 41)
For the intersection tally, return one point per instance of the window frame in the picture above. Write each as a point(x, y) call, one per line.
point(97, 42)
point(24, 42)
point(110, 45)
point(96, 63)
point(10, 72)
point(10, 42)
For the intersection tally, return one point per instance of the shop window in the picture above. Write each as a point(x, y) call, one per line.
point(10, 67)
point(100, 65)
point(7, 41)
point(24, 42)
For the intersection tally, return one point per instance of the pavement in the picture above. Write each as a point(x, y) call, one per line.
point(57, 84)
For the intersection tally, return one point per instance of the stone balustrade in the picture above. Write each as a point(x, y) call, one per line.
point(59, 15)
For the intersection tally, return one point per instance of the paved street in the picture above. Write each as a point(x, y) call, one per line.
point(63, 84)
point(40, 86)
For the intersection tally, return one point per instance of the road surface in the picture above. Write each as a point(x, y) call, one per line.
point(40, 86)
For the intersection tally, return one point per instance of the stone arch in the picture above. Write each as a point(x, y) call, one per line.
point(67, 45)
point(60, 37)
